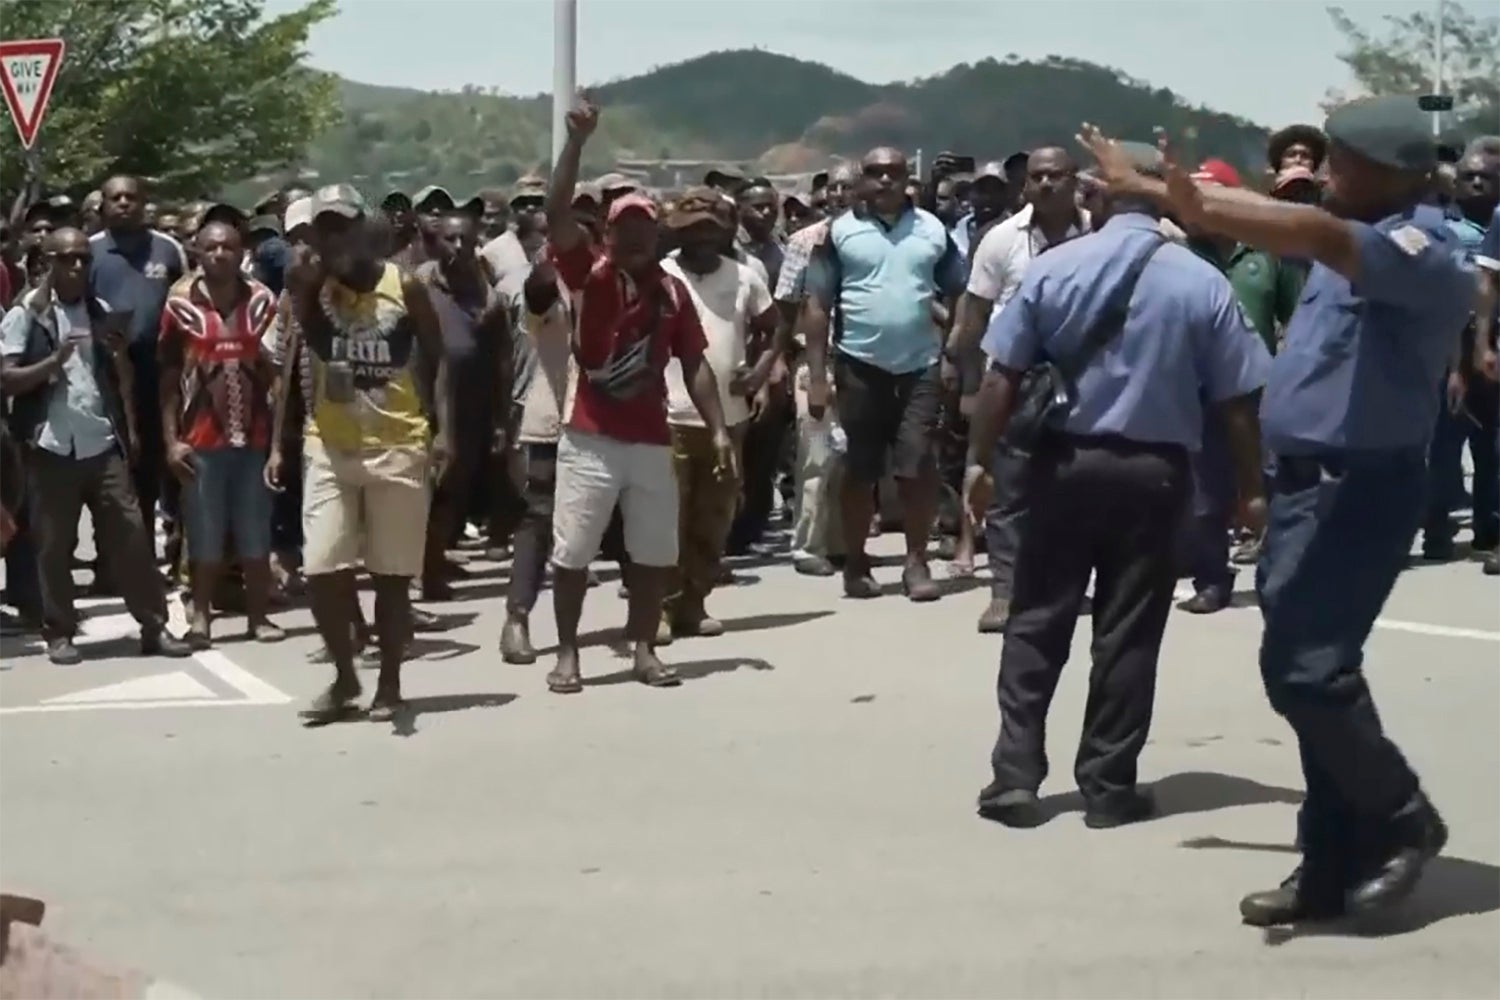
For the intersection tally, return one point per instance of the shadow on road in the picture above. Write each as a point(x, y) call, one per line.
point(1191, 792)
point(1450, 887)
point(750, 623)
point(404, 722)
point(428, 647)
point(687, 671)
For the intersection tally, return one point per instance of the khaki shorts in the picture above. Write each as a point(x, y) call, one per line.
point(365, 509)
point(594, 473)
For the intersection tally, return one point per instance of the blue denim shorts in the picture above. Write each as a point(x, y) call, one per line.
point(229, 494)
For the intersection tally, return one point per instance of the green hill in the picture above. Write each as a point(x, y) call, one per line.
point(742, 105)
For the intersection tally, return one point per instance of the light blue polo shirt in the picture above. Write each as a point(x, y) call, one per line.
point(889, 278)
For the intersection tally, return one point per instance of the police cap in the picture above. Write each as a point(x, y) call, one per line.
point(1392, 131)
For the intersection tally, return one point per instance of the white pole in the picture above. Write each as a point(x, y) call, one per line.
point(1437, 68)
point(564, 69)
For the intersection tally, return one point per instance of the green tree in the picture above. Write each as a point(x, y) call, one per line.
point(1400, 60)
point(188, 93)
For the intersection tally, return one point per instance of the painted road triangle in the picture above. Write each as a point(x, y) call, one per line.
point(158, 687)
point(28, 69)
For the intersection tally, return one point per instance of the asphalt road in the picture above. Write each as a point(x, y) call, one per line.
point(796, 820)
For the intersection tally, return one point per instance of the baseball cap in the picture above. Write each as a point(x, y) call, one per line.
point(299, 213)
point(528, 188)
point(265, 224)
point(433, 197)
point(395, 201)
point(612, 182)
point(1215, 171)
point(338, 199)
point(634, 201)
point(697, 204)
point(719, 174)
point(588, 192)
point(1293, 175)
point(994, 169)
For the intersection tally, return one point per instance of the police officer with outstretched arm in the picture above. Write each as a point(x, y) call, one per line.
point(1347, 414)
point(1098, 368)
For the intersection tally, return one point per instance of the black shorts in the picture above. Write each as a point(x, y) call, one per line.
point(887, 416)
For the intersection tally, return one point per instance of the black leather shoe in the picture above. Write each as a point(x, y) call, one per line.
point(1206, 601)
point(1295, 900)
point(811, 565)
point(164, 644)
point(1396, 876)
point(63, 653)
point(1013, 807)
point(1140, 805)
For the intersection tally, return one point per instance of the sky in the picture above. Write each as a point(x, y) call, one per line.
point(1267, 60)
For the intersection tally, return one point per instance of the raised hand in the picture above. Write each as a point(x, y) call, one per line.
point(1185, 198)
point(584, 117)
point(1116, 167)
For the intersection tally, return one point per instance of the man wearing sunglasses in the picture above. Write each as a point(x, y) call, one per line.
point(68, 377)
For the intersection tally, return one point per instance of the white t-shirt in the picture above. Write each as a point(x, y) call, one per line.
point(1001, 259)
point(726, 300)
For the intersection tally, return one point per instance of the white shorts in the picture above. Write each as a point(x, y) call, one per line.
point(594, 472)
point(368, 508)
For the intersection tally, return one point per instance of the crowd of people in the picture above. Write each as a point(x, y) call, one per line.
point(1069, 371)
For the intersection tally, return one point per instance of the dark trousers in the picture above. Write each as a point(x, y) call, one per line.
point(151, 483)
point(1338, 534)
point(1006, 518)
point(1207, 530)
point(60, 487)
point(762, 459)
point(286, 506)
point(1477, 426)
point(532, 542)
point(23, 588)
point(1108, 507)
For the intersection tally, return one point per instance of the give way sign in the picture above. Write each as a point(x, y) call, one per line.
point(28, 69)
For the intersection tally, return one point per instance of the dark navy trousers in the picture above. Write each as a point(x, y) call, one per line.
point(1339, 532)
point(1213, 507)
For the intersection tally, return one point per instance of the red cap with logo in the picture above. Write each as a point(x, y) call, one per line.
point(1217, 172)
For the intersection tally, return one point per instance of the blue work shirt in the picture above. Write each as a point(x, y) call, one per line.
point(1360, 361)
point(1186, 337)
point(889, 277)
point(134, 275)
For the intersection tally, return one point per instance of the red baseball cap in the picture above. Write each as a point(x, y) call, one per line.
point(1217, 172)
point(635, 201)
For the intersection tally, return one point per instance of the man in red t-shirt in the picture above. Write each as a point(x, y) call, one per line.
point(632, 319)
point(216, 416)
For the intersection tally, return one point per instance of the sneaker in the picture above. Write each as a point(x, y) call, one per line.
point(62, 652)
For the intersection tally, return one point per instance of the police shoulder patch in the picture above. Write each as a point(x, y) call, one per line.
point(1410, 239)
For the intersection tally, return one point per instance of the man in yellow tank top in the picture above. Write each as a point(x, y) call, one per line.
point(374, 350)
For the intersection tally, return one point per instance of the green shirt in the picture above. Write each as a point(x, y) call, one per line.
point(1267, 288)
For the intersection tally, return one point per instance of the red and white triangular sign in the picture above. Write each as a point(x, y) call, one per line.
point(28, 68)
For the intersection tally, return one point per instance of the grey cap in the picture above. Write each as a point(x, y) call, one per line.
point(994, 168)
point(1392, 131)
point(265, 224)
point(338, 199)
point(433, 196)
point(613, 182)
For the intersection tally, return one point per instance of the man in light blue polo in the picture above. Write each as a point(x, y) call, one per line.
point(887, 276)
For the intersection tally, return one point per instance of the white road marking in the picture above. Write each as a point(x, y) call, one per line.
point(175, 686)
point(176, 689)
point(255, 690)
point(1397, 625)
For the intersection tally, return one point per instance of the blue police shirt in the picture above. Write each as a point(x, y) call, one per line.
point(1185, 337)
point(1488, 256)
point(890, 276)
point(135, 275)
point(1359, 362)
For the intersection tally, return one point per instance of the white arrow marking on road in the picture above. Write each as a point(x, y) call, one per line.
point(158, 687)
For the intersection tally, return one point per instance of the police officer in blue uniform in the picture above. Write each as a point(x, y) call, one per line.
point(1346, 414)
point(1137, 332)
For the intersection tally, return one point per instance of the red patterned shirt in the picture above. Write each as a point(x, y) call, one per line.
point(225, 382)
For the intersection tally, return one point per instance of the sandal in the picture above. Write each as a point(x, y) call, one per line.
point(333, 705)
point(657, 675)
point(564, 682)
point(267, 631)
point(385, 706)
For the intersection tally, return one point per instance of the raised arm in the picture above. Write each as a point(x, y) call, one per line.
point(564, 231)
